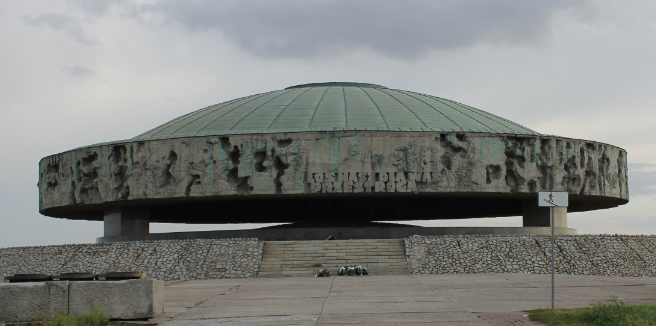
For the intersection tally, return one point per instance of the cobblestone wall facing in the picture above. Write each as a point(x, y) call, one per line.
point(605, 255)
point(171, 261)
point(175, 261)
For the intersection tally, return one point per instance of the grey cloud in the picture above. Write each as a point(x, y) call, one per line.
point(103, 7)
point(60, 22)
point(642, 179)
point(405, 29)
point(78, 71)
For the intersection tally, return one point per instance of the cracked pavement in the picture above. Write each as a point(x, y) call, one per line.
point(449, 299)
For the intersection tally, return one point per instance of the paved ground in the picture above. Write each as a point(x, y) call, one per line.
point(387, 300)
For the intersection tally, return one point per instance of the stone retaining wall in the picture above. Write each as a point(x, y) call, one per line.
point(181, 260)
point(605, 255)
point(171, 261)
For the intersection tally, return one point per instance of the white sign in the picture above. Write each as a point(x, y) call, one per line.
point(553, 198)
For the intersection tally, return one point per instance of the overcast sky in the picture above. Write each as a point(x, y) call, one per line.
point(79, 72)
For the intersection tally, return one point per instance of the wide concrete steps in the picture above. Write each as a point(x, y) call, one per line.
point(304, 258)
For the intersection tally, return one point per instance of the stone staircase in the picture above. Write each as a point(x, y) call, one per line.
point(304, 258)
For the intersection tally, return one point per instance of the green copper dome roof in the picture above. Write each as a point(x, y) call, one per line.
point(331, 107)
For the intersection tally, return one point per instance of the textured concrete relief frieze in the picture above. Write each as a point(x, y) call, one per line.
point(319, 164)
point(356, 182)
point(361, 164)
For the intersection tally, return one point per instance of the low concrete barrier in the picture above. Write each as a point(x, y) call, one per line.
point(32, 301)
point(128, 299)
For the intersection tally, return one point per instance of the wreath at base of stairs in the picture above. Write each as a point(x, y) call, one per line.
point(344, 271)
point(352, 271)
point(322, 273)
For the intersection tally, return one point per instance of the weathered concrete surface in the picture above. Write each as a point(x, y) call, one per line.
point(320, 165)
point(388, 299)
point(126, 221)
point(129, 299)
point(321, 233)
point(32, 301)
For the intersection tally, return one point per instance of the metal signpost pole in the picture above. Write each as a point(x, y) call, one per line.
point(553, 261)
point(553, 199)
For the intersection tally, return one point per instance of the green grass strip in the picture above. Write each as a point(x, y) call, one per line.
point(615, 313)
point(94, 317)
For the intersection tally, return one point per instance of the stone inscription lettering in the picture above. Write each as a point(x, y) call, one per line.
point(356, 182)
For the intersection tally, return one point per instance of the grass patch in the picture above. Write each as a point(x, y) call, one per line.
point(94, 317)
point(615, 313)
point(61, 320)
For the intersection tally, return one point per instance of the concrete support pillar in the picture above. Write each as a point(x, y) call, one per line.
point(126, 221)
point(541, 216)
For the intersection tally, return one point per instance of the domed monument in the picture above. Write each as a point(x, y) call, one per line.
point(330, 156)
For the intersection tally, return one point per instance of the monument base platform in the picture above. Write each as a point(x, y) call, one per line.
point(342, 233)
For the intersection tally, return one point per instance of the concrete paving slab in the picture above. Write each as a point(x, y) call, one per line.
point(356, 299)
point(388, 299)
point(603, 294)
point(541, 280)
point(276, 294)
point(264, 321)
point(500, 306)
point(283, 289)
point(180, 297)
point(472, 284)
point(252, 308)
point(630, 280)
point(511, 294)
point(391, 317)
point(391, 307)
point(507, 318)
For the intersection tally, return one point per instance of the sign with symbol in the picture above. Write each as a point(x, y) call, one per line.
point(553, 199)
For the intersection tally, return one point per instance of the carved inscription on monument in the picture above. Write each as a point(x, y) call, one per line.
point(347, 182)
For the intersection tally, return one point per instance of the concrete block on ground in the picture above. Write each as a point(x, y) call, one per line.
point(32, 301)
point(128, 299)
